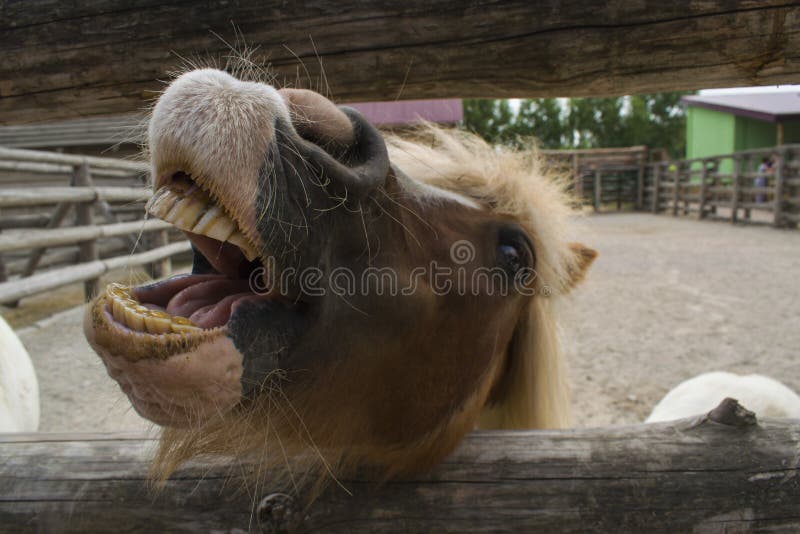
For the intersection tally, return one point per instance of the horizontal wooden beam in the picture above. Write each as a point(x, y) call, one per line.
point(18, 197)
point(68, 60)
point(10, 168)
point(54, 237)
point(25, 287)
point(720, 473)
point(94, 162)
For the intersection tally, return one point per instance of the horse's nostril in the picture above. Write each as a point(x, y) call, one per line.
point(181, 181)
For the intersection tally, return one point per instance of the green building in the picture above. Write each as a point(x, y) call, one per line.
point(723, 124)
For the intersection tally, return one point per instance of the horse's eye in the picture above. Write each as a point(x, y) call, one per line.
point(514, 251)
point(510, 257)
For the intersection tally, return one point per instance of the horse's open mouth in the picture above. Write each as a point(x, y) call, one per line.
point(192, 346)
point(195, 304)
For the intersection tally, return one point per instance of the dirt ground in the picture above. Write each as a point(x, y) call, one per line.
point(667, 299)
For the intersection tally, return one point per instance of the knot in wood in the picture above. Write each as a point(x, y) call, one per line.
point(731, 413)
point(277, 513)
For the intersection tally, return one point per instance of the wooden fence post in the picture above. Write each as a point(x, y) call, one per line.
point(163, 267)
point(748, 198)
point(84, 211)
point(677, 188)
point(598, 189)
point(640, 183)
point(656, 186)
point(778, 200)
point(4, 272)
point(576, 174)
point(686, 193)
point(737, 161)
point(701, 214)
point(714, 182)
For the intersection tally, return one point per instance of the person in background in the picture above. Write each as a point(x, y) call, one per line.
point(761, 177)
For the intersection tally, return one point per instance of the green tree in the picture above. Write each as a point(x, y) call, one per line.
point(491, 119)
point(595, 122)
point(659, 121)
point(542, 118)
point(656, 120)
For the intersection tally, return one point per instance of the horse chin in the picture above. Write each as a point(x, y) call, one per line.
point(179, 372)
point(171, 379)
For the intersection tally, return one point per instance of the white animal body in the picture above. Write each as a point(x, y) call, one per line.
point(760, 394)
point(19, 389)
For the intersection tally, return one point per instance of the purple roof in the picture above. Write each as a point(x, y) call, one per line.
point(409, 111)
point(771, 107)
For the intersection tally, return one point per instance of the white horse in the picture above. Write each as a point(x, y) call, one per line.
point(760, 394)
point(19, 389)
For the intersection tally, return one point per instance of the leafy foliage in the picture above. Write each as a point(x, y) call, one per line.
point(655, 120)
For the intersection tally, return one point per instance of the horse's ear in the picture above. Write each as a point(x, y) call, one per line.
point(581, 257)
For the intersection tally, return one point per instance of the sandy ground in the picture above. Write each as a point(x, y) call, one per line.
point(667, 299)
point(671, 298)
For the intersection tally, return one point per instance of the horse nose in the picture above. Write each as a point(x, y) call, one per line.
point(272, 160)
point(207, 123)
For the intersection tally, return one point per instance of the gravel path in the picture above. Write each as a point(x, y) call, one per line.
point(667, 299)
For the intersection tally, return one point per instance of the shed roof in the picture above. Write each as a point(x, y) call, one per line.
point(771, 107)
point(446, 111)
point(106, 131)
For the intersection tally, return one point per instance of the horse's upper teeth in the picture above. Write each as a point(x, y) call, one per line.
point(194, 211)
point(127, 311)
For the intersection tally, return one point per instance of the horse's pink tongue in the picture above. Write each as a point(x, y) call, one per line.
point(217, 314)
point(224, 257)
point(209, 293)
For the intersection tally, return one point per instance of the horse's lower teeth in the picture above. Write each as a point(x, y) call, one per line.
point(194, 211)
point(128, 311)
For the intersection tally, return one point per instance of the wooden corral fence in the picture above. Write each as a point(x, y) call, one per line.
point(77, 217)
point(735, 187)
point(603, 177)
point(729, 186)
point(723, 472)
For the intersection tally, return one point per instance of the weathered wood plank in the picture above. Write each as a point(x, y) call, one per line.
point(65, 60)
point(67, 256)
point(69, 236)
point(702, 475)
point(20, 288)
point(51, 195)
point(64, 170)
point(84, 217)
point(39, 156)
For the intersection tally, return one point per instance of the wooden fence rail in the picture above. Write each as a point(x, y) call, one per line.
point(24, 287)
point(736, 187)
point(723, 472)
point(35, 221)
point(386, 50)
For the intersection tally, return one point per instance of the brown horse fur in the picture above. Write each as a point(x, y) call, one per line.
point(392, 384)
